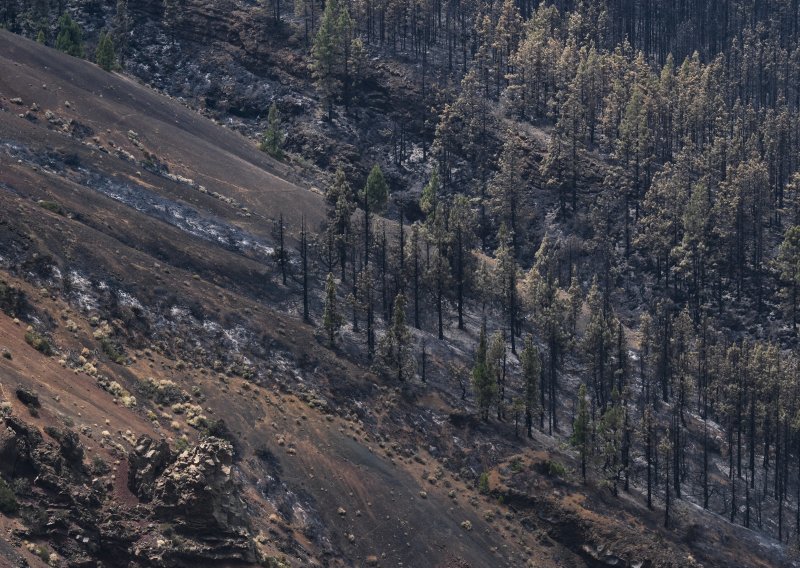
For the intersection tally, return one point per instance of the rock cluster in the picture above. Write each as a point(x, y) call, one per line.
point(145, 464)
point(198, 491)
point(198, 494)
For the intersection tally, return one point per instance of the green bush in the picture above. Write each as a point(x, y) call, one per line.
point(483, 483)
point(38, 342)
point(51, 206)
point(112, 350)
point(8, 501)
point(181, 444)
point(552, 468)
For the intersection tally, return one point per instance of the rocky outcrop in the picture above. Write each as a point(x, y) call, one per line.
point(146, 463)
point(17, 444)
point(69, 445)
point(198, 491)
point(198, 494)
point(28, 397)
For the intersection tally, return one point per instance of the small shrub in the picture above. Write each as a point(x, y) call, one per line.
point(112, 350)
point(38, 342)
point(483, 483)
point(8, 501)
point(39, 551)
point(99, 466)
point(273, 562)
point(552, 468)
point(12, 301)
point(181, 444)
point(51, 206)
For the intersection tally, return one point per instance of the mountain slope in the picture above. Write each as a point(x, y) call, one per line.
point(137, 240)
point(91, 221)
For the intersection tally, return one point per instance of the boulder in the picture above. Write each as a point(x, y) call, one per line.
point(198, 491)
point(146, 463)
point(28, 397)
point(69, 445)
point(18, 441)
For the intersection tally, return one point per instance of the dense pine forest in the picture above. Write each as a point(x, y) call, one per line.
point(582, 221)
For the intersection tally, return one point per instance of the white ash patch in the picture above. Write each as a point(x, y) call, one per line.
point(129, 301)
point(178, 312)
point(82, 287)
point(236, 337)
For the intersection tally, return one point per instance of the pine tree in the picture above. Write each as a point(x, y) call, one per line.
point(575, 295)
point(550, 316)
point(394, 349)
point(665, 449)
point(429, 200)
point(483, 384)
point(506, 188)
point(462, 229)
point(272, 142)
point(497, 363)
point(331, 318)
point(597, 344)
point(341, 196)
point(70, 37)
point(561, 167)
point(531, 370)
point(363, 302)
point(788, 263)
point(506, 282)
point(415, 267)
point(610, 433)
point(325, 56)
point(122, 28)
point(105, 56)
point(373, 200)
point(581, 430)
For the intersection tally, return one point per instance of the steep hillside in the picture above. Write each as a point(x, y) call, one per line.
point(165, 405)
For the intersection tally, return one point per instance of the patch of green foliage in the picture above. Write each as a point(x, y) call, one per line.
point(483, 483)
point(8, 501)
point(273, 562)
point(70, 37)
point(552, 468)
point(272, 142)
point(105, 56)
point(51, 206)
point(181, 444)
point(41, 344)
point(112, 350)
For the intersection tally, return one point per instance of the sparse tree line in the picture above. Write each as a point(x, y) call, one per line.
point(678, 409)
point(698, 194)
